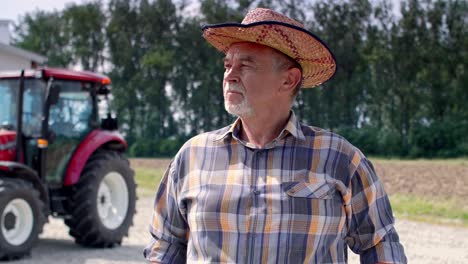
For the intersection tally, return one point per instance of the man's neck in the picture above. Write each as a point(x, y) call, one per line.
point(261, 129)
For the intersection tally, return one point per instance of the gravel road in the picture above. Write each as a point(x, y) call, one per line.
point(424, 243)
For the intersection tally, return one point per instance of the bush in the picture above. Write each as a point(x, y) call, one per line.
point(364, 138)
point(156, 148)
point(389, 142)
point(141, 148)
point(438, 139)
point(444, 139)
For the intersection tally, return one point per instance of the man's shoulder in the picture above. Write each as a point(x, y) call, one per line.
point(324, 138)
point(199, 143)
point(207, 139)
point(317, 132)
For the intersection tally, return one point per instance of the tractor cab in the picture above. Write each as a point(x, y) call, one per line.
point(59, 109)
point(33, 97)
point(57, 136)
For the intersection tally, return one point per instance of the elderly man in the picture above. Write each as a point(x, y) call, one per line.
point(268, 189)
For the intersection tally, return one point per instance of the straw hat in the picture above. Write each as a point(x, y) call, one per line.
point(269, 28)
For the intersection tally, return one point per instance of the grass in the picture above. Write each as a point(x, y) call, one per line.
point(148, 180)
point(440, 211)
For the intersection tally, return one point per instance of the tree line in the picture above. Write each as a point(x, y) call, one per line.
point(400, 88)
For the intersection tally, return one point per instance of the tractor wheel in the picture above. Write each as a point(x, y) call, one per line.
point(102, 203)
point(21, 218)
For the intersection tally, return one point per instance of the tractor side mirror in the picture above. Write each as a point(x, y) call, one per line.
point(53, 94)
point(104, 90)
point(109, 123)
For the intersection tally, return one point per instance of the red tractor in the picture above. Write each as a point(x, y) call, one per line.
point(59, 158)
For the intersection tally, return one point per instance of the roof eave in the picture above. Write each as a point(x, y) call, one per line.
point(23, 53)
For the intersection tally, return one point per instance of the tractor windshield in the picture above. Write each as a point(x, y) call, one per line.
point(33, 102)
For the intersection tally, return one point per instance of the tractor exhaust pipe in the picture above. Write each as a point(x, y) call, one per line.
point(19, 119)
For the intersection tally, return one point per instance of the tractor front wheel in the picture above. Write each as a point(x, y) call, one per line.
point(102, 203)
point(21, 217)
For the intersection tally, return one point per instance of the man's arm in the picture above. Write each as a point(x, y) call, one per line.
point(168, 227)
point(371, 231)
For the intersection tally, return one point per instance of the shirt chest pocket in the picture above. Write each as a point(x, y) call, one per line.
point(317, 189)
point(315, 195)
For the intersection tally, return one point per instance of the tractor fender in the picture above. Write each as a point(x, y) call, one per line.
point(13, 169)
point(96, 139)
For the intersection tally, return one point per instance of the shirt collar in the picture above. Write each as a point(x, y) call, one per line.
point(293, 127)
point(233, 129)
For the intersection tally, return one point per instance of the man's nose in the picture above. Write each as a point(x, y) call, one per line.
point(231, 75)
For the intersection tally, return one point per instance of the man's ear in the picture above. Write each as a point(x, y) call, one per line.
point(291, 79)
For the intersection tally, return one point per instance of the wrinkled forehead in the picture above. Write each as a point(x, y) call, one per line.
point(248, 49)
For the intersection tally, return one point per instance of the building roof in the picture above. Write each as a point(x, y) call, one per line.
point(22, 53)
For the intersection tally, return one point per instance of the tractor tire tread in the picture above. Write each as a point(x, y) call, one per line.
point(86, 228)
point(15, 185)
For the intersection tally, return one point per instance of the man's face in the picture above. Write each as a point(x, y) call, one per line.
point(250, 79)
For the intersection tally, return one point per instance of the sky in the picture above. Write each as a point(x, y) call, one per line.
point(12, 9)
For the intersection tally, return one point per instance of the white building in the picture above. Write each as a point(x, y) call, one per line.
point(13, 58)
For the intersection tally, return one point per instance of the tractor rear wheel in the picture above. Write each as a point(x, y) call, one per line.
point(102, 203)
point(21, 217)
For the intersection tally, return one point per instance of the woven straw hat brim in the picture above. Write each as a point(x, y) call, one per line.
point(317, 61)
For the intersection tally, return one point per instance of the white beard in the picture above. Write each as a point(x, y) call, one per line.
point(242, 109)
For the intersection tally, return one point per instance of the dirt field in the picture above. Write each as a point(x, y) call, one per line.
point(425, 178)
point(422, 178)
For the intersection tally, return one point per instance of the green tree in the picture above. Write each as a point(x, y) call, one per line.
point(157, 22)
point(339, 102)
point(44, 32)
point(85, 24)
point(140, 35)
point(198, 73)
point(400, 87)
point(124, 55)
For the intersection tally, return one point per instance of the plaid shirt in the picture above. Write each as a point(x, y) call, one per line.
point(303, 198)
